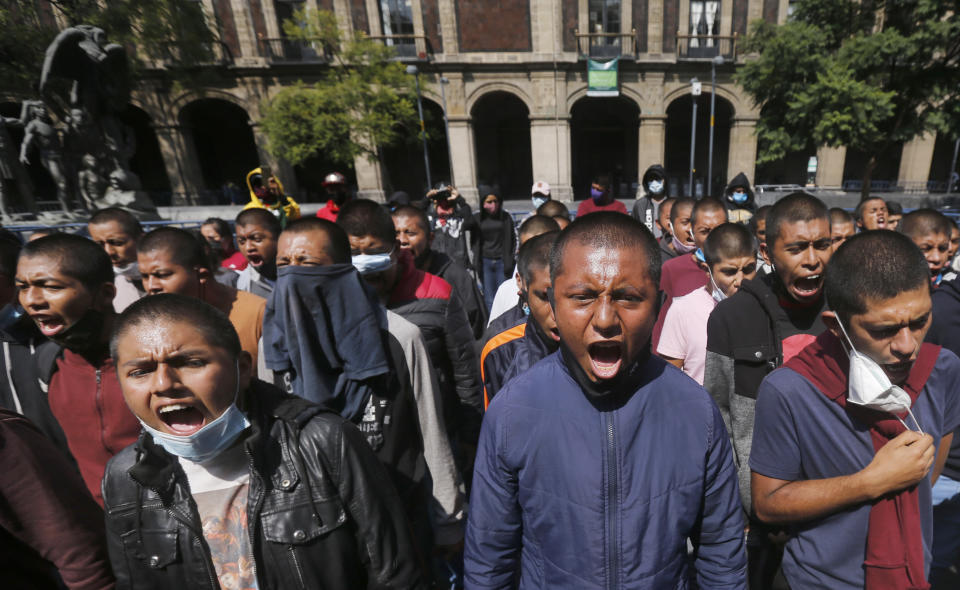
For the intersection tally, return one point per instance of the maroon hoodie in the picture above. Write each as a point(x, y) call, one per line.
point(87, 402)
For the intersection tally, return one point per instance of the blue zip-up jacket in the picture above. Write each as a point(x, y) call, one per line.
point(566, 495)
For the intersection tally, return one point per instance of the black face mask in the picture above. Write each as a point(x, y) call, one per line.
point(83, 336)
point(340, 198)
point(15, 323)
point(608, 391)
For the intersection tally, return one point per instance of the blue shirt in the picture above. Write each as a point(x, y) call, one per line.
point(801, 434)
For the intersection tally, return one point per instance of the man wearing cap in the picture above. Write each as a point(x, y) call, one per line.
point(338, 194)
point(539, 194)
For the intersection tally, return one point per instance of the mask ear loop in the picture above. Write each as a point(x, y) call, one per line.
point(915, 421)
point(845, 335)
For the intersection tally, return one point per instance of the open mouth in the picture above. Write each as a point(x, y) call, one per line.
point(881, 222)
point(255, 259)
point(49, 326)
point(181, 419)
point(555, 334)
point(808, 286)
point(605, 358)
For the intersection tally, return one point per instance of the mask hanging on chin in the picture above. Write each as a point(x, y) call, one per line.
point(84, 335)
point(680, 247)
point(715, 291)
point(869, 386)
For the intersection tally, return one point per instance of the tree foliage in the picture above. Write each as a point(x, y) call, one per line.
point(364, 99)
point(173, 31)
point(856, 73)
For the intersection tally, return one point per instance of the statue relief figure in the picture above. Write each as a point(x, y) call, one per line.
point(91, 183)
point(40, 132)
point(12, 174)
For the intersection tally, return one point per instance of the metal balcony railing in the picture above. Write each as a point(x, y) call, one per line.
point(293, 51)
point(214, 53)
point(607, 45)
point(693, 47)
point(408, 47)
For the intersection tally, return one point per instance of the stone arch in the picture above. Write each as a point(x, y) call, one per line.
point(220, 140)
point(177, 105)
point(734, 99)
point(625, 92)
point(491, 87)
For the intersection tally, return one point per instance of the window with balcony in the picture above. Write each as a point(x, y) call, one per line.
point(604, 34)
point(704, 22)
point(396, 20)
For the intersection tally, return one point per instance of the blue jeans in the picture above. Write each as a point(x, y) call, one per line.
point(491, 277)
point(946, 524)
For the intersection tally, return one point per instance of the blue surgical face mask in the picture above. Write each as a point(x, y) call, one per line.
point(699, 254)
point(716, 293)
point(537, 201)
point(372, 263)
point(210, 440)
point(655, 186)
point(739, 198)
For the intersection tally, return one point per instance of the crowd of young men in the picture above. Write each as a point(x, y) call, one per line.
point(701, 394)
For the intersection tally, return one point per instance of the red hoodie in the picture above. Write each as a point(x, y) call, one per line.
point(87, 402)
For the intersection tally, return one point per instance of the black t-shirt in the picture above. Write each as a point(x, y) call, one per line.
point(491, 229)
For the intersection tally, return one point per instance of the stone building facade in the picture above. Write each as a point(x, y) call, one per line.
point(511, 76)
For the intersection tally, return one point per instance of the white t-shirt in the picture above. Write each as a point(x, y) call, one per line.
point(507, 296)
point(684, 333)
point(219, 487)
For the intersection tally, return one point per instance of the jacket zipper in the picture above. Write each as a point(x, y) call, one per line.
point(98, 399)
point(254, 522)
point(296, 564)
point(613, 533)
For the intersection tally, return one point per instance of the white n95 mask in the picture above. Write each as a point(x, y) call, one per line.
point(869, 386)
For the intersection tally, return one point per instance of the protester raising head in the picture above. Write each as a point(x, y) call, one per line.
point(930, 231)
point(768, 321)
point(872, 213)
point(798, 245)
point(887, 403)
point(65, 285)
point(842, 227)
point(605, 319)
point(257, 233)
point(184, 372)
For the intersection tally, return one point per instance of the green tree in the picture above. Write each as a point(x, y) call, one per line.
point(862, 74)
point(173, 31)
point(363, 101)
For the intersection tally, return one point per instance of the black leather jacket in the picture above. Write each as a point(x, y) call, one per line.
point(322, 512)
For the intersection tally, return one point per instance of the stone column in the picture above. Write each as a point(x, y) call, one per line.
point(654, 27)
point(369, 179)
point(464, 158)
point(830, 165)
point(916, 159)
point(754, 10)
point(742, 154)
point(341, 8)
point(180, 161)
point(448, 28)
point(550, 151)
point(651, 143)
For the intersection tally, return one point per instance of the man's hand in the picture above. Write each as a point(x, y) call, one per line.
point(900, 463)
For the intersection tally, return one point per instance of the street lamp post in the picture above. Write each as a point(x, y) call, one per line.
point(446, 124)
point(695, 90)
point(411, 69)
point(717, 61)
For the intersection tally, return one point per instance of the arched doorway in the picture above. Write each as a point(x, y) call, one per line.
point(223, 142)
point(147, 159)
point(604, 140)
point(677, 148)
point(403, 166)
point(501, 132)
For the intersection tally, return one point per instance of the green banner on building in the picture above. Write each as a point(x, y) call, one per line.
point(602, 78)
